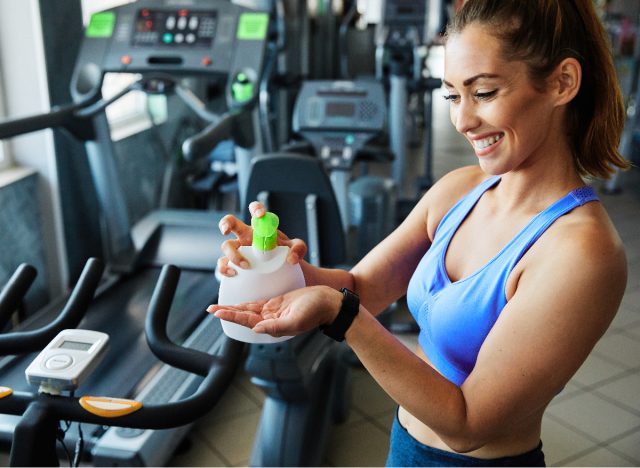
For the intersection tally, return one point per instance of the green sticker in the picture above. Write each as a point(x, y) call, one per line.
point(253, 26)
point(101, 24)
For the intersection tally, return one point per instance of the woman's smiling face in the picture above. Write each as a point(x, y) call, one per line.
point(494, 104)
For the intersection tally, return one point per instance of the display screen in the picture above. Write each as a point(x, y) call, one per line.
point(174, 28)
point(79, 345)
point(340, 109)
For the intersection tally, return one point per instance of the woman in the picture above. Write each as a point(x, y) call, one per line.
point(512, 269)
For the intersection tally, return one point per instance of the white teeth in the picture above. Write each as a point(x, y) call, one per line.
point(481, 144)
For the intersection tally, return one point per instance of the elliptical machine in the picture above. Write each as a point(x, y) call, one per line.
point(403, 38)
point(343, 124)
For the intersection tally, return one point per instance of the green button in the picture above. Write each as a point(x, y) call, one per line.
point(101, 24)
point(349, 139)
point(167, 38)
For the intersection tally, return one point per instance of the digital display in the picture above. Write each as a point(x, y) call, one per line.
point(340, 109)
point(174, 28)
point(78, 345)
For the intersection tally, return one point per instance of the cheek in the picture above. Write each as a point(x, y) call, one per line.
point(452, 115)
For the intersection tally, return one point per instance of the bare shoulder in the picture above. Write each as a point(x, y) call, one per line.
point(448, 191)
point(583, 244)
point(588, 233)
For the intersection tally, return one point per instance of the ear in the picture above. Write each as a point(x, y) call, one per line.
point(566, 80)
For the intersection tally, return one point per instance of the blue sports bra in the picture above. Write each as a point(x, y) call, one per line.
point(456, 317)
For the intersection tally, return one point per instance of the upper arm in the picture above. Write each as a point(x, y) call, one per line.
point(564, 302)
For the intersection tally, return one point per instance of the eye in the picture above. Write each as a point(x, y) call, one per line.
point(484, 95)
point(452, 97)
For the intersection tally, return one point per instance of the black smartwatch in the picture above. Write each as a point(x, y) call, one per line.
point(344, 319)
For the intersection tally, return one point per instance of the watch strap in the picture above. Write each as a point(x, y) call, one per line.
point(348, 311)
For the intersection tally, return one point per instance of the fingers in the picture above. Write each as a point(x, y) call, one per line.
point(245, 319)
point(230, 224)
point(268, 326)
point(247, 314)
point(257, 209)
point(244, 235)
point(224, 268)
point(297, 250)
point(230, 250)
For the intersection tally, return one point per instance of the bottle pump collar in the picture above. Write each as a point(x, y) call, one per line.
point(265, 232)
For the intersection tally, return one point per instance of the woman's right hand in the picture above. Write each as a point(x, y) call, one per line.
point(244, 236)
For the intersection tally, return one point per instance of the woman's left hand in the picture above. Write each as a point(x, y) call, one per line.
point(292, 313)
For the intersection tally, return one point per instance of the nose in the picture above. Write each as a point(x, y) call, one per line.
point(464, 116)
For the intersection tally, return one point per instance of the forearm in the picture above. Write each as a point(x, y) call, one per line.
point(332, 277)
point(372, 296)
point(410, 381)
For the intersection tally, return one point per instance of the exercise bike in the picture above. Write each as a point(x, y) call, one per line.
point(41, 413)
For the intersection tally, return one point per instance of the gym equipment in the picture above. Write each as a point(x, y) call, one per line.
point(341, 121)
point(403, 36)
point(13, 292)
point(40, 414)
point(162, 42)
point(307, 378)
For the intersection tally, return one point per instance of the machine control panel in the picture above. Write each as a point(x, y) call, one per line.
point(174, 28)
point(214, 38)
point(67, 360)
point(339, 118)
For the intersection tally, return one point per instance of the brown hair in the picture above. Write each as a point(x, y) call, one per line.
point(542, 33)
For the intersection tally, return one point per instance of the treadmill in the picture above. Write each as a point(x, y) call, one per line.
point(163, 41)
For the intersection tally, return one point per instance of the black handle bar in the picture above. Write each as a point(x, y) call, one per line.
point(59, 116)
point(155, 328)
point(15, 289)
point(75, 117)
point(74, 310)
point(218, 371)
point(200, 144)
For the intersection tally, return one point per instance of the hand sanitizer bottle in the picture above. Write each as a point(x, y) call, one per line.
point(269, 276)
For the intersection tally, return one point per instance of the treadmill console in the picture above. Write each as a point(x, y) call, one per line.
point(404, 23)
point(339, 117)
point(190, 37)
point(174, 28)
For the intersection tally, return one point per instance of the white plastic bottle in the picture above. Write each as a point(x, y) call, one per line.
point(269, 276)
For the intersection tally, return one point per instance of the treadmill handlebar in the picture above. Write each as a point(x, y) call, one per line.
point(203, 142)
point(62, 116)
point(71, 315)
point(15, 290)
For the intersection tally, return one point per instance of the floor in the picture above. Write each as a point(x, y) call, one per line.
point(595, 421)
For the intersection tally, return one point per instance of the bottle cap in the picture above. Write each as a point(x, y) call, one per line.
point(265, 231)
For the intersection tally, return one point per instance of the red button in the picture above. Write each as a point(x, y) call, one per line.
point(125, 59)
point(206, 61)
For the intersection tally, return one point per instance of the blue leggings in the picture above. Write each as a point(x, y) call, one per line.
point(407, 451)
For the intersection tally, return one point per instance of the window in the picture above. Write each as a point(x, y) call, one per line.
point(4, 150)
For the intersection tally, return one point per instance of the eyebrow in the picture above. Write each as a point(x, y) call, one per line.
point(470, 81)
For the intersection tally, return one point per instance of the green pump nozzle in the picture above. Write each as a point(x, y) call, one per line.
point(265, 231)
